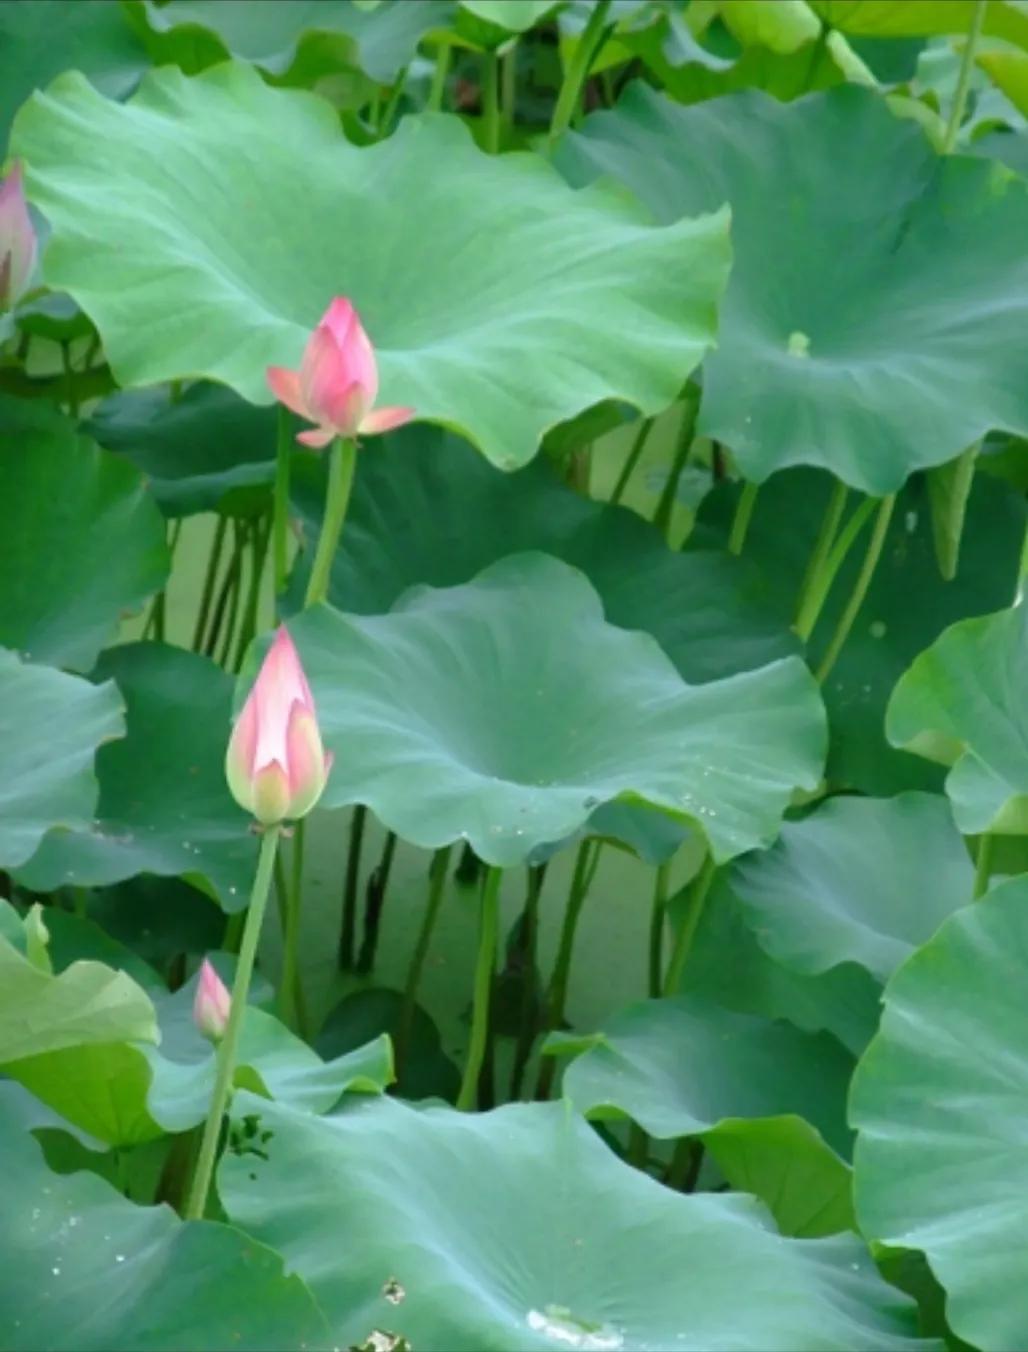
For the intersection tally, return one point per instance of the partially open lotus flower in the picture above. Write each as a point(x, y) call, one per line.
point(276, 765)
point(337, 383)
point(17, 240)
point(211, 1004)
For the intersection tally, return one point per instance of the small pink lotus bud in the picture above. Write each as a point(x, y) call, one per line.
point(211, 1004)
point(337, 383)
point(276, 765)
point(17, 241)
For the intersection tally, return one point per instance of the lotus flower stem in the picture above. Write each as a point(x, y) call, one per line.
point(280, 510)
point(956, 114)
point(436, 889)
point(210, 578)
point(437, 92)
point(348, 926)
point(527, 1023)
point(197, 1203)
point(632, 459)
point(341, 465)
point(289, 996)
point(485, 969)
point(587, 49)
point(983, 865)
point(556, 999)
point(860, 588)
point(811, 584)
point(683, 942)
point(743, 517)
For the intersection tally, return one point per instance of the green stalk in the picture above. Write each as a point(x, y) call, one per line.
point(289, 989)
point(632, 459)
point(228, 582)
point(280, 506)
point(235, 593)
point(528, 1014)
point(508, 90)
point(374, 900)
point(683, 942)
point(666, 503)
point(956, 113)
point(348, 927)
point(260, 538)
point(197, 1204)
point(484, 971)
point(436, 888)
point(341, 464)
point(983, 865)
point(491, 102)
point(557, 995)
point(210, 578)
point(860, 587)
point(587, 49)
point(656, 952)
point(821, 585)
point(743, 515)
point(437, 91)
point(825, 539)
point(385, 122)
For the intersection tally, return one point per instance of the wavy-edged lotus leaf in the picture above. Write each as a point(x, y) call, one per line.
point(82, 1267)
point(194, 451)
point(504, 711)
point(938, 1103)
point(768, 1101)
point(516, 16)
point(37, 42)
point(424, 509)
point(379, 39)
point(728, 966)
point(164, 806)
point(889, 632)
point(498, 308)
point(82, 542)
point(885, 18)
point(864, 880)
point(590, 1253)
point(52, 726)
point(897, 361)
point(271, 1061)
point(961, 704)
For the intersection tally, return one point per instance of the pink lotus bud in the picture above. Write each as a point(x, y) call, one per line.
point(276, 765)
point(17, 241)
point(211, 1004)
point(337, 383)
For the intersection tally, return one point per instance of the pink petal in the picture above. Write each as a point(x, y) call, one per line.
point(17, 239)
point(384, 420)
point(279, 685)
point(306, 765)
point(318, 440)
point(338, 318)
point(212, 1003)
point(327, 386)
point(285, 386)
point(242, 751)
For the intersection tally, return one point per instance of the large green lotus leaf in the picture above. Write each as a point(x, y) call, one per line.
point(889, 631)
point(52, 726)
point(82, 1268)
point(504, 711)
point(396, 1229)
point(772, 1096)
point(424, 511)
point(380, 39)
point(864, 880)
point(728, 966)
point(960, 704)
point(897, 360)
point(517, 16)
point(194, 452)
point(81, 544)
point(164, 805)
point(499, 307)
point(896, 18)
point(37, 42)
point(1009, 148)
point(938, 1102)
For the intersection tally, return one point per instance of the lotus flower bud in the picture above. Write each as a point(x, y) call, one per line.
point(212, 1004)
point(276, 765)
point(17, 241)
point(337, 383)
